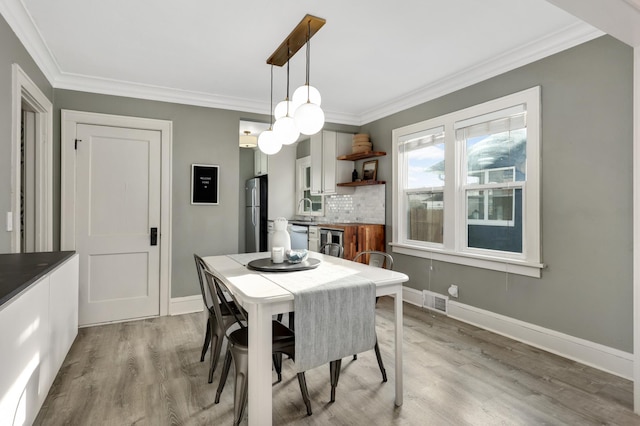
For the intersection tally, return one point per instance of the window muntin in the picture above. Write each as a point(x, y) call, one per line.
point(483, 192)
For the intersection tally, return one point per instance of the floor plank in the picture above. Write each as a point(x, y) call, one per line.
point(148, 373)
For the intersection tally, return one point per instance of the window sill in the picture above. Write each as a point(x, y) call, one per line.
point(486, 262)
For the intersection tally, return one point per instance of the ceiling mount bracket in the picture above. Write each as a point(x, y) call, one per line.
point(301, 33)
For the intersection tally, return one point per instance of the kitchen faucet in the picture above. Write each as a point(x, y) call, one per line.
point(310, 205)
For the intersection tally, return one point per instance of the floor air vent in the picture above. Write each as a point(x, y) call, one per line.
point(434, 301)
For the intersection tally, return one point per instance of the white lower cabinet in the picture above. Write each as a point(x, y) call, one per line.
point(326, 170)
point(314, 238)
point(37, 329)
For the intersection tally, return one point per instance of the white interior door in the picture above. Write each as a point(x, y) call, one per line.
point(117, 205)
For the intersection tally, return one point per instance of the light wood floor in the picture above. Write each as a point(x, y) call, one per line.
point(148, 373)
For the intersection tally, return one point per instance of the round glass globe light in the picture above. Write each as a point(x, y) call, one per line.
point(304, 93)
point(309, 118)
point(268, 143)
point(286, 131)
point(281, 109)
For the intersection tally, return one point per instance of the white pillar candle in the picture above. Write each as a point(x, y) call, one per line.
point(277, 254)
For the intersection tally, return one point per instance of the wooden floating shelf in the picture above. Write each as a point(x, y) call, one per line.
point(362, 155)
point(363, 183)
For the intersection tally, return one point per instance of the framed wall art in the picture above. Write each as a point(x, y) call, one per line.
point(205, 183)
point(370, 170)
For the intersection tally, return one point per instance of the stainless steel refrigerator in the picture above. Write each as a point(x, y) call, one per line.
point(255, 214)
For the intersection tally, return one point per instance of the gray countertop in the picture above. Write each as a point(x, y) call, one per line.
point(325, 224)
point(19, 270)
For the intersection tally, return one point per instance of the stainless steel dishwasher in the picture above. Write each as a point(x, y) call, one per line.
point(299, 236)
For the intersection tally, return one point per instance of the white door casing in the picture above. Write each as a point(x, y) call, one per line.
point(109, 202)
point(26, 92)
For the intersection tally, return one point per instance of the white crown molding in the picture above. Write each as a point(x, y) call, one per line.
point(156, 93)
point(549, 45)
point(163, 94)
point(22, 24)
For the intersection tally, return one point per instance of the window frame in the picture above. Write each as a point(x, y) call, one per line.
point(454, 247)
point(302, 165)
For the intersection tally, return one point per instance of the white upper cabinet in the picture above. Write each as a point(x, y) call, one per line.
point(326, 170)
point(260, 162)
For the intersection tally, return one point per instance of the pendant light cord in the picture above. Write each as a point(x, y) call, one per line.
point(271, 105)
point(287, 80)
point(308, 59)
point(287, 99)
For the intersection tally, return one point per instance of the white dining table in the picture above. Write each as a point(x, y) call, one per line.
point(262, 297)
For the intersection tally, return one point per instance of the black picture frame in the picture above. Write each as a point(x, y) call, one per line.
point(205, 184)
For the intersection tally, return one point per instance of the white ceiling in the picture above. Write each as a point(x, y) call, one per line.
point(371, 58)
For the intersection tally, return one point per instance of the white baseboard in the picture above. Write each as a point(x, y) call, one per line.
point(413, 296)
point(186, 305)
point(595, 355)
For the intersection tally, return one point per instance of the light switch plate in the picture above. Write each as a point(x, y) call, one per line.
point(9, 221)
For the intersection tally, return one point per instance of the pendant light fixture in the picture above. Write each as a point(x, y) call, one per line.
point(302, 112)
point(267, 141)
point(285, 127)
point(248, 140)
point(309, 117)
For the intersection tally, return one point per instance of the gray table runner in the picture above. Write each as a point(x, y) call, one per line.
point(333, 321)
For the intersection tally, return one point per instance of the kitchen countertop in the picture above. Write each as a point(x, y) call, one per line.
point(19, 270)
point(331, 225)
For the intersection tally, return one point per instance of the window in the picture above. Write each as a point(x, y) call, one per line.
point(308, 205)
point(467, 186)
point(424, 185)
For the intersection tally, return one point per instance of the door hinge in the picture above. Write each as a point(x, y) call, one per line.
point(76, 143)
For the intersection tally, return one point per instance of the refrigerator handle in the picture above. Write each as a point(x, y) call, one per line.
point(253, 206)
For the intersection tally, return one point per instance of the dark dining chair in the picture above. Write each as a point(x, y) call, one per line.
point(376, 258)
point(283, 342)
point(381, 260)
point(214, 335)
point(332, 249)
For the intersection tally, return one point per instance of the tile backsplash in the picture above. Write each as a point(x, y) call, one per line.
point(365, 205)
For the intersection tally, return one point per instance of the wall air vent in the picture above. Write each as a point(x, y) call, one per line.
point(434, 301)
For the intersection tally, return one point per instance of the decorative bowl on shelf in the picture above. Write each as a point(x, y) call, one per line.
point(296, 256)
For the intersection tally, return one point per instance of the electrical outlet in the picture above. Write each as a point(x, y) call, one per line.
point(453, 290)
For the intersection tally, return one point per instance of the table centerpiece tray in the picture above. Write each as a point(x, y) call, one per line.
point(266, 265)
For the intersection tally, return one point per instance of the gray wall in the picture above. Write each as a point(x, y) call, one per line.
point(586, 288)
point(12, 51)
point(247, 171)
